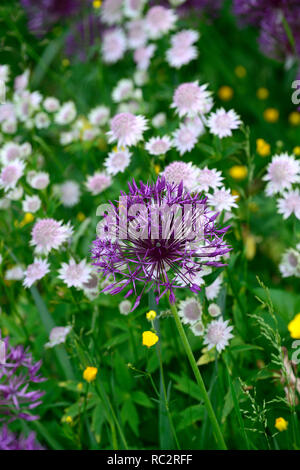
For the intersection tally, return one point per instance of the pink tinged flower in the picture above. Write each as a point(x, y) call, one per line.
point(176, 172)
point(38, 179)
point(143, 55)
point(190, 311)
point(21, 81)
point(214, 310)
point(41, 120)
point(159, 21)
point(212, 291)
point(222, 123)
point(66, 113)
point(9, 126)
point(31, 204)
point(136, 34)
point(186, 37)
point(126, 129)
point(222, 199)
point(290, 263)
point(117, 161)
point(58, 335)
point(198, 329)
point(158, 145)
point(35, 271)
point(113, 45)
point(99, 116)
point(289, 204)
point(112, 11)
point(184, 139)
point(69, 193)
point(51, 104)
point(11, 174)
point(208, 178)
point(75, 274)
point(125, 307)
point(191, 99)
point(98, 182)
point(133, 8)
point(16, 273)
point(180, 55)
point(49, 234)
point(218, 334)
point(282, 172)
point(123, 90)
point(10, 152)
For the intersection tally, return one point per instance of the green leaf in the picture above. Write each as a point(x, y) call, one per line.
point(129, 414)
point(141, 399)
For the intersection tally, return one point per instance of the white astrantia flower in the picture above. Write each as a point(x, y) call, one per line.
point(10, 152)
point(198, 329)
point(221, 123)
point(140, 77)
point(98, 182)
point(184, 139)
point(212, 291)
point(185, 37)
point(125, 307)
point(16, 193)
point(218, 334)
point(159, 21)
point(191, 99)
point(290, 263)
point(117, 161)
point(16, 273)
point(158, 145)
point(4, 203)
point(69, 193)
point(99, 116)
point(126, 129)
point(196, 123)
point(214, 310)
point(123, 90)
point(196, 278)
point(282, 172)
point(49, 234)
point(31, 204)
point(35, 271)
point(58, 335)
point(91, 287)
point(180, 55)
point(51, 104)
point(4, 73)
point(26, 149)
point(9, 126)
point(208, 178)
point(10, 174)
point(41, 120)
point(289, 204)
point(111, 11)
point(66, 113)
point(222, 199)
point(179, 171)
point(38, 179)
point(159, 120)
point(113, 45)
point(190, 311)
point(21, 81)
point(75, 274)
point(143, 55)
point(133, 8)
point(89, 134)
point(136, 33)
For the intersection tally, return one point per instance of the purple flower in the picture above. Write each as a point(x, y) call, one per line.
point(17, 375)
point(10, 441)
point(159, 236)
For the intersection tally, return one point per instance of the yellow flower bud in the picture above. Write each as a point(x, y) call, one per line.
point(90, 374)
point(271, 115)
point(281, 424)
point(238, 172)
point(294, 118)
point(263, 148)
point(225, 93)
point(151, 315)
point(262, 93)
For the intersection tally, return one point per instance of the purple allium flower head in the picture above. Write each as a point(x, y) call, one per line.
point(17, 375)
point(10, 441)
point(158, 236)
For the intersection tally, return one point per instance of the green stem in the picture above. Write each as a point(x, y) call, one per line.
point(204, 395)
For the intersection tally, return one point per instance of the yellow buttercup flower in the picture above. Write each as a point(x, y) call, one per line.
point(69, 419)
point(90, 374)
point(263, 148)
point(80, 217)
point(240, 71)
point(294, 118)
point(281, 424)
point(238, 172)
point(65, 62)
point(157, 169)
point(151, 315)
point(271, 115)
point(262, 93)
point(296, 150)
point(225, 93)
point(294, 327)
point(149, 338)
point(97, 3)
